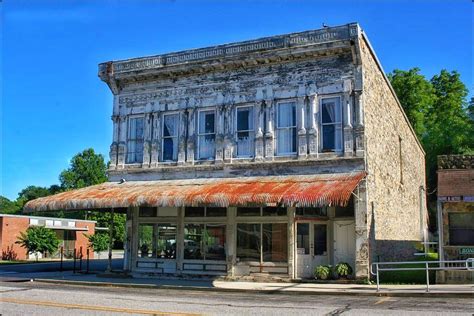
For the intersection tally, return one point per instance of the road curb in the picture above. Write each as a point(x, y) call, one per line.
point(259, 291)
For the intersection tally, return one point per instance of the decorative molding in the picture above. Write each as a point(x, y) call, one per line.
point(223, 51)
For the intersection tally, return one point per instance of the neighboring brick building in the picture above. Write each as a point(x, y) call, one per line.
point(71, 233)
point(267, 156)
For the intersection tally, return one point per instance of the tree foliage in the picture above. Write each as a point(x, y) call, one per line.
point(9, 207)
point(99, 241)
point(439, 113)
point(87, 168)
point(39, 239)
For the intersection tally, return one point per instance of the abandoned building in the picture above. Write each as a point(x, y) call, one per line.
point(268, 156)
point(456, 214)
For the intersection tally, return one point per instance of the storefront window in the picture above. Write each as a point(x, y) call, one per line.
point(147, 212)
point(248, 242)
point(275, 242)
point(194, 212)
point(215, 242)
point(311, 211)
point(320, 240)
point(166, 241)
point(193, 241)
point(145, 240)
point(204, 241)
point(216, 211)
point(262, 242)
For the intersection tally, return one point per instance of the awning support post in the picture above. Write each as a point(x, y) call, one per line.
point(111, 231)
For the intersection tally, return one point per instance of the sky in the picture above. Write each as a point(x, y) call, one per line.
point(53, 105)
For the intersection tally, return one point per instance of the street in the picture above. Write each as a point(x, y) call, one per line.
point(33, 298)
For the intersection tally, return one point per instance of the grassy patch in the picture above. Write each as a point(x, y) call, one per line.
point(410, 277)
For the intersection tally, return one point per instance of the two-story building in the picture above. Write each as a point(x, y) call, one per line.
point(269, 156)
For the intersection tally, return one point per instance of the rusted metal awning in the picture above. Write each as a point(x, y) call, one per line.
point(311, 190)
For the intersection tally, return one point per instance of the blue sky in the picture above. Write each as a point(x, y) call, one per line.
point(53, 105)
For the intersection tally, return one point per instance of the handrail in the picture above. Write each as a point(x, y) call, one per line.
point(462, 265)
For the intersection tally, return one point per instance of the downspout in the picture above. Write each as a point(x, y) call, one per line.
point(423, 228)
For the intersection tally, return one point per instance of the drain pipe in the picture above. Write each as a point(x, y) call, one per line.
point(423, 228)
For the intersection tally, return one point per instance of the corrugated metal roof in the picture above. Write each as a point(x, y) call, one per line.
point(311, 190)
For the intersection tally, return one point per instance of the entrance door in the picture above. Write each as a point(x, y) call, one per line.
point(344, 242)
point(311, 248)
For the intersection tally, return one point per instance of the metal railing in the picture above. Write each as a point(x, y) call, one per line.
point(427, 266)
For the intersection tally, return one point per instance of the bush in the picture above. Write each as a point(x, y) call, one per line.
point(322, 272)
point(39, 239)
point(343, 269)
point(98, 241)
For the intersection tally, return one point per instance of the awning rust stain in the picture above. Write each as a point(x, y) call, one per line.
point(308, 190)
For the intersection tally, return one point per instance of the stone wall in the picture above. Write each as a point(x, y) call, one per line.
point(395, 165)
point(456, 162)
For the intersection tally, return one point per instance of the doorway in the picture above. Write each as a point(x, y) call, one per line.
point(311, 247)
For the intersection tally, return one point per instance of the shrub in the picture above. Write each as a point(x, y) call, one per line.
point(322, 272)
point(39, 239)
point(9, 254)
point(343, 269)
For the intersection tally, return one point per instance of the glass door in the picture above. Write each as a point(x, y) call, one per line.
point(311, 248)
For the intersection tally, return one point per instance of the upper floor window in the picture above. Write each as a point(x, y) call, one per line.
point(206, 134)
point(331, 124)
point(170, 137)
point(135, 140)
point(286, 128)
point(245, 131)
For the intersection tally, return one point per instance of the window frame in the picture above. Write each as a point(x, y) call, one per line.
point(340, 123)
point(199, 135)
point(129, 120)
point(250, 131)
point(163, 137)
point(288, 128)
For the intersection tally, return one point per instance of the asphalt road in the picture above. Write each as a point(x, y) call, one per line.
point(32, 298)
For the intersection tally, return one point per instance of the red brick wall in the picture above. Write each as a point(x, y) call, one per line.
point(457, 182)
point(10, 231)
point(81, 239)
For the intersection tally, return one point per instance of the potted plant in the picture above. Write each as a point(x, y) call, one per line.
point(343, 270)
point(322, 272)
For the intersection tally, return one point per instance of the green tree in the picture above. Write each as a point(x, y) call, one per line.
point(39, 239)
point(9, 207)
point(87, 168)
point(98, 241)
point(442, 119)
point(416, 95)
point(103, 220)
point(31, 192)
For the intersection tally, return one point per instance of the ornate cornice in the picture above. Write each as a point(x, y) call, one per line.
point(228, 51)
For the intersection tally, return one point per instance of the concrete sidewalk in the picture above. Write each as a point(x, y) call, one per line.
point(461, 290)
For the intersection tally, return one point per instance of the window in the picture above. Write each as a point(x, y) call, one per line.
point(135, 140)
point(262, 242)
point(147, 212)
point(205, 212)
point(320, 240)
point(204, 241)
point(248, 211)
point(145, 240)
point(274, 242)
point(157, 241)
point(248, 242)
point(274, 211)
point(346, 211)
point(461, 229)
point(331, 122)
point(170, 137)
point(206, 135)
point(302, 237)
point(286, 128)
point(245, 132)
point(312, 211)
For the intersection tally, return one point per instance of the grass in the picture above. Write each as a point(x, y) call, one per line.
point(410, 277)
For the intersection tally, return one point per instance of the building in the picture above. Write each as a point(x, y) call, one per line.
point(456, 213)
point(269, 156)
point(71, 232)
